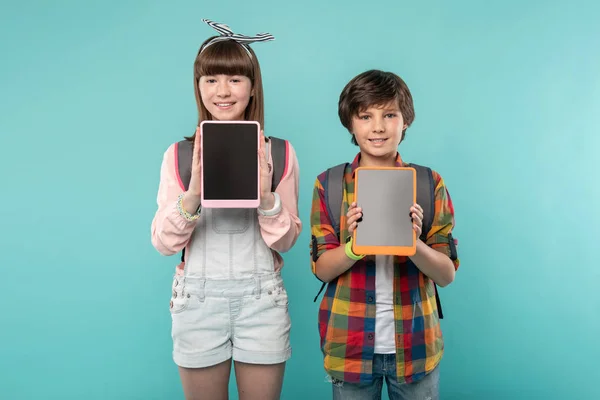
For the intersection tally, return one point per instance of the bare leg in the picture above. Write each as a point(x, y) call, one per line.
point(211, 383)
point(259, 382)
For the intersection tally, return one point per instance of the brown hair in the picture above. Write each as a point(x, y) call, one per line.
point(374, 88)
point(230, 58)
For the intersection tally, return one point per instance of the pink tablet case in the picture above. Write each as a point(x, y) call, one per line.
point(234, 131)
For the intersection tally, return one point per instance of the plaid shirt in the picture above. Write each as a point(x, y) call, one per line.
point(347, 310)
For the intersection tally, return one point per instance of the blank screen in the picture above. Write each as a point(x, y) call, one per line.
point(230, 161)
point(385, 197)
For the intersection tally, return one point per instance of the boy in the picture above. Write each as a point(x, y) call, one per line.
point(379, 318)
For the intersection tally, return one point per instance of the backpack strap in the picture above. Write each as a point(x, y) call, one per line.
point(334, 192)
point(279, 154)
point(426, 199)
point(184, 153)
point(183, 161)
point(425, 196)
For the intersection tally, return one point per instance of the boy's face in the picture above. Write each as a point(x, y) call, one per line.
point(378, 130)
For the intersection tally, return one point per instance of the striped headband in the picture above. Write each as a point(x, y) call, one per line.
point(227, 34)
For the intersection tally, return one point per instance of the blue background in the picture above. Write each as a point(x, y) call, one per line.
point(507, 96)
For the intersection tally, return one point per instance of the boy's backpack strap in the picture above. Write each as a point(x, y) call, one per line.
point(425, 196)
point(334, 191)
point(426, 199)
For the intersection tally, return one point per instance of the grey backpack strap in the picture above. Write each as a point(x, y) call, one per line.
point(279, 154)
point(426, 199)
point(185, 150)
point(425, 196)
point(184, 160)
point(334, 192)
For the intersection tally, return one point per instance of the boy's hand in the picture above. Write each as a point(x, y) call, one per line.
point(416, 214)
point(353, 217)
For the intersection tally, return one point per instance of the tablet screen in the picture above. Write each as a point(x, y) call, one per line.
point(385, 196)
point(230, 165)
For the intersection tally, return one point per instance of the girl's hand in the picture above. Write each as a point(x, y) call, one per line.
point(267, 200)
point(353, 216)
point(191, 198)
point(194, 186)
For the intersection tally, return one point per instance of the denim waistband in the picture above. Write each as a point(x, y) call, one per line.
point(206, 287)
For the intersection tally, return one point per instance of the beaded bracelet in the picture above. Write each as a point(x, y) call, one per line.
point(186, 215)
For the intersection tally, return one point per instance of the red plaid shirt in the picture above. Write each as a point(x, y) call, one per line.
point(347, 310)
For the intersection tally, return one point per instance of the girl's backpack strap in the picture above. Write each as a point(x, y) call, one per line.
point(183, 162)
point(279, 153)
point(184, 152)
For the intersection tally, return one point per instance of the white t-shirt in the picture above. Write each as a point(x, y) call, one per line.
point(385, 331)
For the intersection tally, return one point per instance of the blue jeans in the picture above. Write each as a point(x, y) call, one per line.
point(384, 366)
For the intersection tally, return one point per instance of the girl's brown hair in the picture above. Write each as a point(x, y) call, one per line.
point(229, 58)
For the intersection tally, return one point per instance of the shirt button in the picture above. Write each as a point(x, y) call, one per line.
point(370, 299)
point(370, 336)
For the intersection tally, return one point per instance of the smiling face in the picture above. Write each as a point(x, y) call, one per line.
point(376, 107)
point(228, 83)
point(225, 96)
point(378, 131)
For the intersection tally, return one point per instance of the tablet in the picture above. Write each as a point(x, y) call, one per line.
point(230, 175)
point(385, 196)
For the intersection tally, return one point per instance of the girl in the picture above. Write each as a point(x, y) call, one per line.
point(228, 299)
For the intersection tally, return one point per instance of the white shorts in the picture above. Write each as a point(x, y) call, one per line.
point(215, 320)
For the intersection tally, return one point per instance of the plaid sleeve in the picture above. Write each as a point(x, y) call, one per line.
point(323, 236)
point(440, 236)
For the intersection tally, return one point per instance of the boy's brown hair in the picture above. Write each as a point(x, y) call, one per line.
point(374, 88)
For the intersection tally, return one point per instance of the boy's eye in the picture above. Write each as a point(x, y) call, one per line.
point(390, 115)
point(363, 117)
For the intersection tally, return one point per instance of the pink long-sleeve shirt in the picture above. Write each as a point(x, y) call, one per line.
point(171, 232)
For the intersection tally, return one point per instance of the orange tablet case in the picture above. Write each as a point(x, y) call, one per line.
point(385, 196)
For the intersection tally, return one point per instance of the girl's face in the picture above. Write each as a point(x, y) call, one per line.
point(225, 96)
